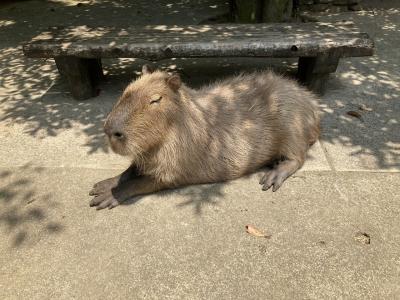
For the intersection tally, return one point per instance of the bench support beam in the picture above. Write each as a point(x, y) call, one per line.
point(82, 75)
point(314, 71)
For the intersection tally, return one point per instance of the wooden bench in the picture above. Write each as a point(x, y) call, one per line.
point(319, 46)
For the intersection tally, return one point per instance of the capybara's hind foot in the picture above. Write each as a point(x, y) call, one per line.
point(278, 173)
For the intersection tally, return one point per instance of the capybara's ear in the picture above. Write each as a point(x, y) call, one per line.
point(147, 69)
point(174, 82)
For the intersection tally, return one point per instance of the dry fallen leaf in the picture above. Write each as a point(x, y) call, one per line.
point(30, 201)
point(255, 232)
point(362, 238)
point(355, 114)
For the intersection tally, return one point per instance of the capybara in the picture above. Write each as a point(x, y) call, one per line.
point(177, 136)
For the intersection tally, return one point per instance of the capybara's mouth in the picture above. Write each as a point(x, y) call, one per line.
point(118, 147)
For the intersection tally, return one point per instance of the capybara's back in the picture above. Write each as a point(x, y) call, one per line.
point(235, 126)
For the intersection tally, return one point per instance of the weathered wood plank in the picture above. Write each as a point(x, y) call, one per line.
point(160, 42)
point(77, 50)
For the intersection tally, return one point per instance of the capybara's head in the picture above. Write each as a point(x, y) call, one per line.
point(143, 115)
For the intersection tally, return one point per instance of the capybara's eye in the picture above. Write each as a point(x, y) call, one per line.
point(155, 98)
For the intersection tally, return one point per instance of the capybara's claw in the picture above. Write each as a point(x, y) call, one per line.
point(272, 178)
point(280, 172)
point(104, 201)
point(102, 187)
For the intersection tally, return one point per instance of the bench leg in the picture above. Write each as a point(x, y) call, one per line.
point(96, 70)
point(82, 75)
point(314, 71)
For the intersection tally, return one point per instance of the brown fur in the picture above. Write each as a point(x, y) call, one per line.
point(217, 133)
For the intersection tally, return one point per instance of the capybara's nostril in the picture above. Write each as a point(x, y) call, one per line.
point(118, 135)
point(113, 132)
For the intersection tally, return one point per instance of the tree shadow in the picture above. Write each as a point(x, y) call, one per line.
point(21, 207)
point(32, 93)
point(197, 196)
point(369, 86)
point(22, 20)
point(201, 196)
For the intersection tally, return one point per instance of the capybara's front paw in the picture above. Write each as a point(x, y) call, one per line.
point(104, 200)
point(103, 186)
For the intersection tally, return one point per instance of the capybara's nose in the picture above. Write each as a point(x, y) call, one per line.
point(118, 135)
point(113, 132)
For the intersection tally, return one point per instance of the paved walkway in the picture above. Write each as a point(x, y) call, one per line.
point(191, 243)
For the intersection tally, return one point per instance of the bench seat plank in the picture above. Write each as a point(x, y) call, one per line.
point(242, 40)
point(319, 46)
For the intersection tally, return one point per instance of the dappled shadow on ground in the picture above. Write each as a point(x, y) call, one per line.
point(29, 94)
point(31, 97)
point(369, 86)
point(200, 196)
point(20, 21)
point(197, 196)
point(37, 102)
point(24, 213)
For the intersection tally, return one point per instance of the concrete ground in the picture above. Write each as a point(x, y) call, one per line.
point(335, 225)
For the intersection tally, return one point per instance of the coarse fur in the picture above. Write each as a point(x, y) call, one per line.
point(179, 136)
